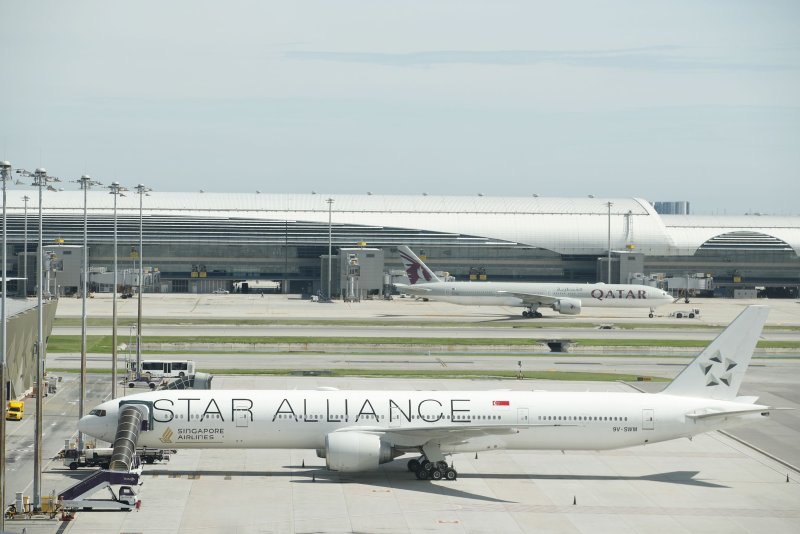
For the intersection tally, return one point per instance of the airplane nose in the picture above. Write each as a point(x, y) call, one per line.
point(85, 424)
point(94, 426)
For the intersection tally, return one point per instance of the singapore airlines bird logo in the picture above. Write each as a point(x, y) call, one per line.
point(166, 437)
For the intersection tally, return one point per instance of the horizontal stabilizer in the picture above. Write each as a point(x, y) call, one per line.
point(730, 413)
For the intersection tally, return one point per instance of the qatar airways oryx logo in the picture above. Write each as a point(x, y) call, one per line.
point(413, 269)
point(602, 294)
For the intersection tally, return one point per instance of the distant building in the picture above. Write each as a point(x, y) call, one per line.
point(206, 242)
point(678, 207)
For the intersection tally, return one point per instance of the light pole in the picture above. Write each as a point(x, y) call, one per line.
point(141, 190)
point(85, 182)
point(117, 191)
point(25, 199)
point(609, 204)
point(5, 174)
point(330, 246)
point(41, 180)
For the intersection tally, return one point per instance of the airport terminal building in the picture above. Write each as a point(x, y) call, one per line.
point(200, 242)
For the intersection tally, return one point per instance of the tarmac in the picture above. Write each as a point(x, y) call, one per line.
point(713, 483)
point(785, 312)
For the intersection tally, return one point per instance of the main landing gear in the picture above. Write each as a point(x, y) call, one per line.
point(531, 313)
point(427, 470)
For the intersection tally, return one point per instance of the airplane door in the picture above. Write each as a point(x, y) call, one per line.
point(242, 419)
point(242, 414)
point(522, 416)
point(394, 422)
point(648, 419)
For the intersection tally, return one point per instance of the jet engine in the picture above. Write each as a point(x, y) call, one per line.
point(356, 451)
point(567, 306)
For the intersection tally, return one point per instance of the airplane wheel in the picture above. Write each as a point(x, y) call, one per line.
point(526, 314)
point(679, 315)
point(437, 474)
point(450, 474)
point(422, 474)
point(73, 466)
point(427, 465)
point(538, 315)
point(691, 316)
point(651, 315)
point(413, 465)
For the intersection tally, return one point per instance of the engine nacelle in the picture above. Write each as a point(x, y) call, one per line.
point(567, 306)
point(356, 451)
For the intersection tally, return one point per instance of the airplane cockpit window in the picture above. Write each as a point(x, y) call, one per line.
point(98, 413)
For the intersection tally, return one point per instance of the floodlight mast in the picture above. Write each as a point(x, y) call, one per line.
point(41, 180)
point(330, 202)
point(25, 199)
point(116, 190)
point(142, 191)
point(86, 183)
point(5, 175)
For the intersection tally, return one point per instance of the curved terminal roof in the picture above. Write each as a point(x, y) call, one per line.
point(567, 225)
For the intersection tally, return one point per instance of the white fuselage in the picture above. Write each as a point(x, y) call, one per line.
point(500, 293)
point(302, 419)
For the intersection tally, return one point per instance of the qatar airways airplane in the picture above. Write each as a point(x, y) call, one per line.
point(358, 430)
point(567, 298)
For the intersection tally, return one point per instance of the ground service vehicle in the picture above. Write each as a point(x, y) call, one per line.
point(164, 369)
point(101, 457)
point(15, 410)
point(690, 314)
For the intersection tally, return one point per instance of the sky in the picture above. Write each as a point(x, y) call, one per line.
point(680, 100)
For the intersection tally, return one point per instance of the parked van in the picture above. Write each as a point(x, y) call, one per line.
point(15, 410)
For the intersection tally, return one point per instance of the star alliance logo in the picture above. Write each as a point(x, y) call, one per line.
point(718, 370)
point(166, 437)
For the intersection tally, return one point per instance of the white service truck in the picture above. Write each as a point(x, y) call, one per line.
point(688, 314)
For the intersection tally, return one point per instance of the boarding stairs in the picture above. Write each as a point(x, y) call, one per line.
point(124, 470)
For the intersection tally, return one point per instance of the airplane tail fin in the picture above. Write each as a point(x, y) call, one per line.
point(418, 272)
point(718, 371)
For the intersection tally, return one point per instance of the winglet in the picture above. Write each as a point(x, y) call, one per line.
point(417, 271)
point(718, 371)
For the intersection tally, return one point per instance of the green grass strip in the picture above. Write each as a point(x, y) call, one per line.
point(70, 343)
point(125, 322)
point(413, 373)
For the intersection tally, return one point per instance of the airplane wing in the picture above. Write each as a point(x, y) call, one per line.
point(530, 299)
point(418, 436)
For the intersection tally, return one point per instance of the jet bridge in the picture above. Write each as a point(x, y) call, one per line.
point(124, 469)
point(195, 381)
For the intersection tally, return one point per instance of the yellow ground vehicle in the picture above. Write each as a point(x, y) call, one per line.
point(15, 410)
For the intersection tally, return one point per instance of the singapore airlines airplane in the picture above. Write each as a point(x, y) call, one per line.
point(564, 298)
point(358, 430)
